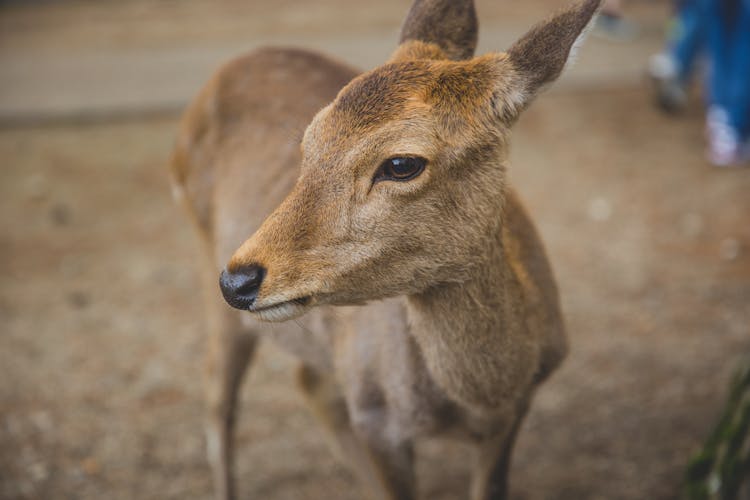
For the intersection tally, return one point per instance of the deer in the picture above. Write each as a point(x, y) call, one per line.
point(374, 209)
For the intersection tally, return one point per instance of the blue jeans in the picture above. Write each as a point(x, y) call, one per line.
point(687, 39)
point(728, 50)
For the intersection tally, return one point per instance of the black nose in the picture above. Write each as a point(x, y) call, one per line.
point(240, 287)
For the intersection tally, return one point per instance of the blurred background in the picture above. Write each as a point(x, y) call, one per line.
point(101, 324)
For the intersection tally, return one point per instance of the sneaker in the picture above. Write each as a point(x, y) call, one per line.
point(671, 94)
point(725, 149)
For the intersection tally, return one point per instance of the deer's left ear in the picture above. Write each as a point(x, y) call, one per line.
point(438, 29)
point(540, 56)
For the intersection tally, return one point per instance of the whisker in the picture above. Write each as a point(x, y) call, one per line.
point(303, 327)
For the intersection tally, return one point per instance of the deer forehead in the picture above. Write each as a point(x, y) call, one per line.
point(400, 108)
point(383, 93)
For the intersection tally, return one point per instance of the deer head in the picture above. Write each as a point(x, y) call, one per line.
point(402, 180)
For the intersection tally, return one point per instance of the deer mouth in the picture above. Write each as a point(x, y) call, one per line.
point(282, 311)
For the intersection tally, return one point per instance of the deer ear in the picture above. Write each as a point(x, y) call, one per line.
point(540, 56)
point(444, 29)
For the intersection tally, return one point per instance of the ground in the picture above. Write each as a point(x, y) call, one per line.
point(102, 328)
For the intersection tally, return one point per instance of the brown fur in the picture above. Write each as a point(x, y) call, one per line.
point(462, 318)
point(449, 24)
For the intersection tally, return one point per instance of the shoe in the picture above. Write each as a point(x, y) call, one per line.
point(670, 93)
point(725, 149)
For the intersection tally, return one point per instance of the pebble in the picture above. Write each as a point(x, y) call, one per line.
point(90, 466)
point(692, 224)
point(78, 299)
point(59, 214)
point(599, 209)
point(38, 472)
point(36, 187)
point(42, 420)
point(729, 249)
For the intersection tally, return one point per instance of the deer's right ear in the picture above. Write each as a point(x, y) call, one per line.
point(540, 56)
point(438, 29)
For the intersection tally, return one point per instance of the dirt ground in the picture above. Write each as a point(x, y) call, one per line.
point(102, 334)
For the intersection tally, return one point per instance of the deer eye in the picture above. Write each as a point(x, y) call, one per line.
point(400, 169)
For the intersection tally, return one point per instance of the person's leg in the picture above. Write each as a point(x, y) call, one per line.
point(738, 83)
point(723, 138)
point(687, 37)
point(672, 69)
point(718, 38)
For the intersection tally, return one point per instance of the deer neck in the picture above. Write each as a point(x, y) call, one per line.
point(473, 334)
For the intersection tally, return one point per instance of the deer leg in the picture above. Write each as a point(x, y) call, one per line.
point(490, 476)
point(228, 355)
point(390, 468)
point(387, 470)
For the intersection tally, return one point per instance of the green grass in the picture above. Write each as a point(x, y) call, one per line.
point(722, 467)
